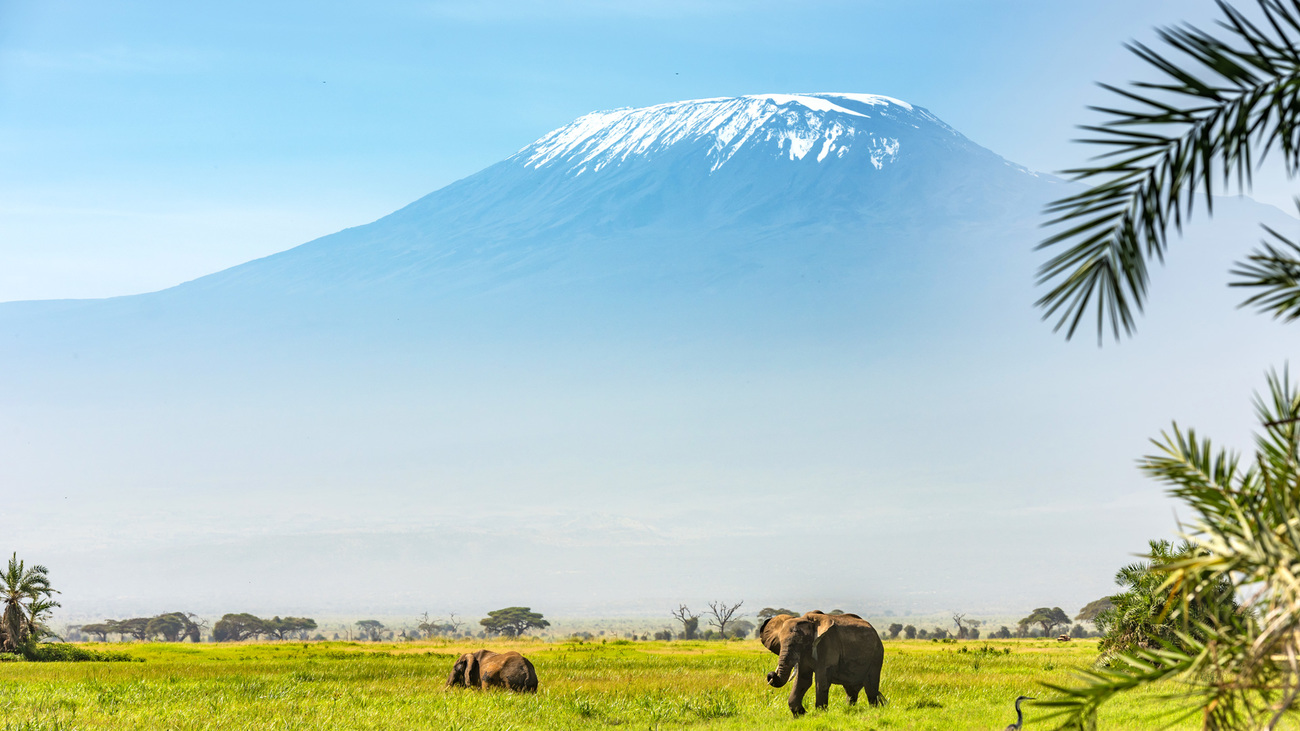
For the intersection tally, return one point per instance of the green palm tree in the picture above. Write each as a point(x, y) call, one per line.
point(1233, 100)
point(27, 597)
point(1147, 613)
point(1230, 100)
point(1235, 668)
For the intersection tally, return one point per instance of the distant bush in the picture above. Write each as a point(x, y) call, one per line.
point(909, 632)
point(60, 652)
point(740, 628)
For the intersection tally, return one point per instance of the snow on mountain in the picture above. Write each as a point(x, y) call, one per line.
point(793, 126)
point(715, 187)
point(689, 192)
point(717, 328)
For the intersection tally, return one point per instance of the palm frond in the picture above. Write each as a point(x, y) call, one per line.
point(1235, 665)
point(1191, 132)
point(1274, 270)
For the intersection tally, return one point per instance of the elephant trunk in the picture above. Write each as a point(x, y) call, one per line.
point(785, 663)
point(457, 677)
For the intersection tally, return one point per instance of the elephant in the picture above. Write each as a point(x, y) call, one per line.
point(840, 649)
point(486, 669)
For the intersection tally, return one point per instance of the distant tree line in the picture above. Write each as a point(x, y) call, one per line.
point(170, 626)
point(433, 628)
point(1042, 622)
point(726, 619)
point(239, 627)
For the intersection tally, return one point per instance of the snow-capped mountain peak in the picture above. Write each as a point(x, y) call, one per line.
point(792, 126)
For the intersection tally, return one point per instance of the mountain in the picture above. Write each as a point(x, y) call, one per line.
point(758, 168)
point(656, 355)
point(681, 196)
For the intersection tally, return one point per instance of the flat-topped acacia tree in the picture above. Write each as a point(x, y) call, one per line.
point(513, 621)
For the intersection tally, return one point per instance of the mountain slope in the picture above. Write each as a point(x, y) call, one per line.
point(760, 169)
point(658, 355)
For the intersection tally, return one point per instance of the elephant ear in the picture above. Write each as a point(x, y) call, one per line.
point(826, 632)
point(768, 632)
point(472, 671)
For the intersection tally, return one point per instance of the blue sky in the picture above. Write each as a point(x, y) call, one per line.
point(146, 143)
point(143, 144)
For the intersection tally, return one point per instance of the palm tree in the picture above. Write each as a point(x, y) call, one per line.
point(1231, 98)
point(1193, 131)
point(1145, 614)
point(27, 598)
point(1237, 669)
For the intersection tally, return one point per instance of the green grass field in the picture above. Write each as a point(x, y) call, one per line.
point(641, 685)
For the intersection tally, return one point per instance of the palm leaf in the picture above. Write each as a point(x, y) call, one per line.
point(1193, 131)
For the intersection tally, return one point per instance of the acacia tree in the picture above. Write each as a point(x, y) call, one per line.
point(238, 627)
point(1227, 100)
point(285, 628)
point(429, 627)
point(690, 622)
point(1093, 608)
point(370, 629)
point(724, 614)
point(1048, 618)
point(136, 627)
point(169, 626)
point(740, 628)
point(959, 620)
point(27, 597)
point(513, 621)
point(101, 629)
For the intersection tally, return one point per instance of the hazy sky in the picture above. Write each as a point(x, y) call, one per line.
point(147, 143)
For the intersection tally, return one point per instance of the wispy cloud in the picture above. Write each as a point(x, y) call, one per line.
point(111, 60)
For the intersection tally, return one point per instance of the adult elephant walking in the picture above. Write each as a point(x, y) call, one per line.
point(830, 649)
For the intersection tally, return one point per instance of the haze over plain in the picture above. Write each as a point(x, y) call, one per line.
point(660, 395)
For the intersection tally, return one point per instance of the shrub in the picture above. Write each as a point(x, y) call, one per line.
point(59, 652)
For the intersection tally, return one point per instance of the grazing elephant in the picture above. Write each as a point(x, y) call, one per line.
point(840, 649)
point(486, 669)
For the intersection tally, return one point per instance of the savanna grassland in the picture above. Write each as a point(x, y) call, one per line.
point(638, 685)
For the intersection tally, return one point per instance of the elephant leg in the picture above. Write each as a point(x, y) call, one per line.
point(823, 690)
point(802, 681)
point(852, 692)
point(873, 689)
